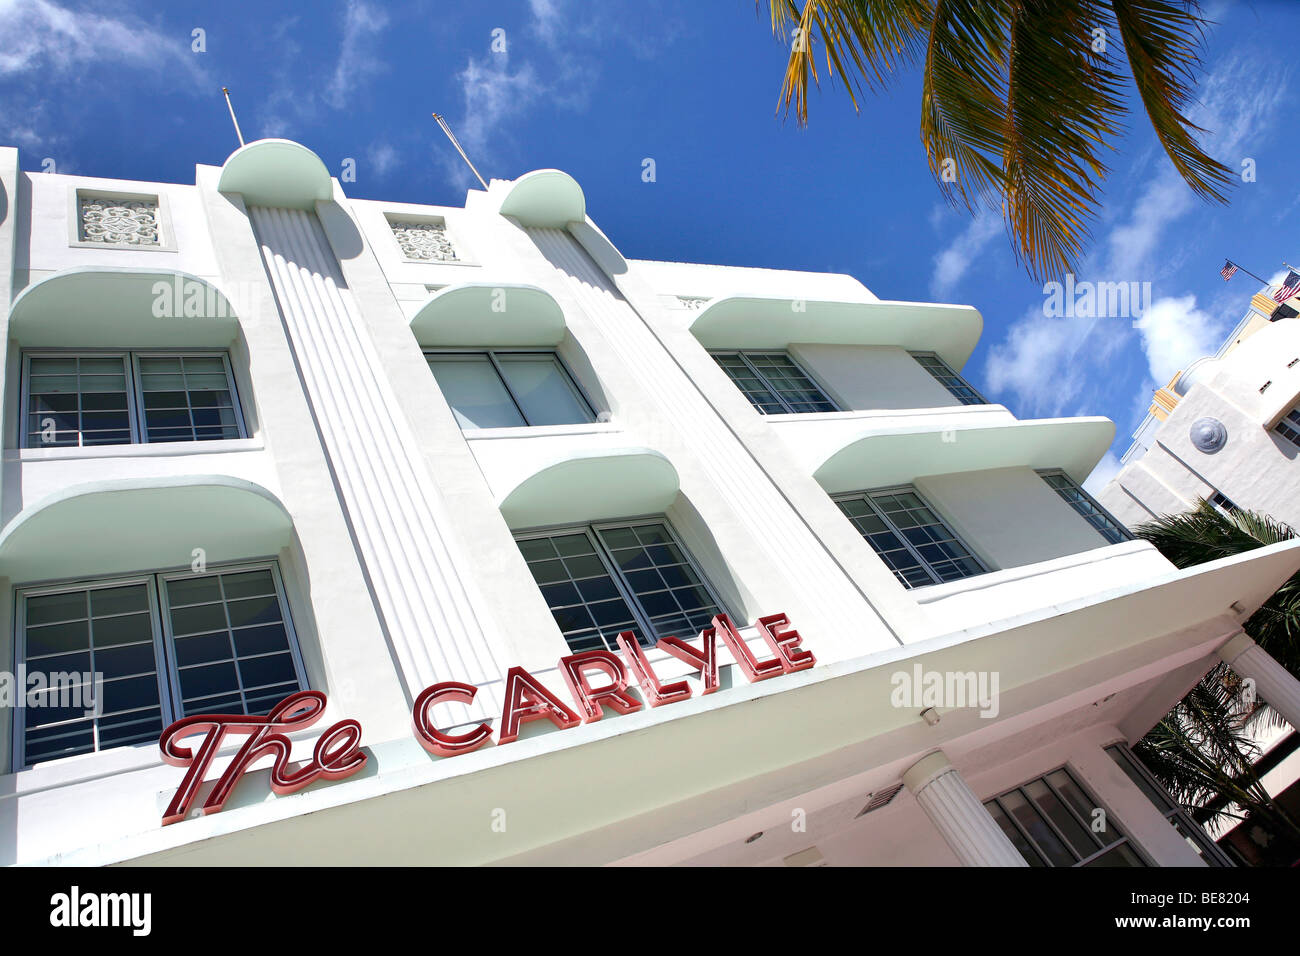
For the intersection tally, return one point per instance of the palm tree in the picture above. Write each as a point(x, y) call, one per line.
point(1019, 97)
point(1203, 751)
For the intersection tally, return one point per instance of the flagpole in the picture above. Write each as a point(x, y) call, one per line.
point(1247, 271)
point(226, 93)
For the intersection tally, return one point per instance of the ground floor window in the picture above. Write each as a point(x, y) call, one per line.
point(1187, 828)
point(163, 646)
point(1054, 822)
point(599, 580)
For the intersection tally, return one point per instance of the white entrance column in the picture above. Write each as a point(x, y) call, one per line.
point(1274, 684)
point(958, 814)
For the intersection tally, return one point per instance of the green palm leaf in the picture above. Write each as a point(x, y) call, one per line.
point(1019, 99)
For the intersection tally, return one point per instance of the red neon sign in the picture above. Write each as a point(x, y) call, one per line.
point(337, 753)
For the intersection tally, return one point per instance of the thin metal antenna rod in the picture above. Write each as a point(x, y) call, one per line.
point(232, 116)
point(455, 142)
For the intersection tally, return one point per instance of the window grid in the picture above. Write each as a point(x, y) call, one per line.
point(495, 358)
point(774, 383)
point(1289, 427)
point(229, 642)
point(118, 621)
point(1086, 506)
point(949, 379)
point(602, 579)
point(86, 398)
point(130, 627)
point(76, 400)
point(1178, 818)
point(909, 536)
point(1050, 821)
point(186, 397)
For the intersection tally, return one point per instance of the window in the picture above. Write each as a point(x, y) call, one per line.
point(909, 536)
point(773, 383)
point(1186, 827)
point(1050, 820)
point(1289, 427)
point(1223, 503)
point(120, 398)
point(500, 389)
point(949, 379)
point(633, 576)
point(165, 646)
point(1086, 506)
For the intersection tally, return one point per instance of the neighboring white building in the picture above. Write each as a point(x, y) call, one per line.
point(1226, 429)
point(261, 438)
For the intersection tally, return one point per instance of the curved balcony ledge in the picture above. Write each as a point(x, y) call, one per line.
point(489, 315)
point(278, 173)
point(853, 457)
point(754, 322)
point(116, 307)
point(131, 524)
point(561, 476)
point(545, 197)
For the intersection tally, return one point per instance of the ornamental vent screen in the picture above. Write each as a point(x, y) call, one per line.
point(426, 241)
point(117, 222)
point(879, 799)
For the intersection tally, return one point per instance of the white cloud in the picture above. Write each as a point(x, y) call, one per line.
point(492, 95)
point(383, 159)
point(1036, 362)
point(1175, 333)
point(358, 57)
point(40, 36)
point(547, 19)
point(953, 262)
point(1106, 469)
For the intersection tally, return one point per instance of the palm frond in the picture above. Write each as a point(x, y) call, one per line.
point(865, 41)
point(1062, 104)
point(1162, 39)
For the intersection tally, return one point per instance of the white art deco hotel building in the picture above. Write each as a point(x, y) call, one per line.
point(425, 465)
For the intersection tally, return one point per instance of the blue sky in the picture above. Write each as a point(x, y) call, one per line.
point(116, 89)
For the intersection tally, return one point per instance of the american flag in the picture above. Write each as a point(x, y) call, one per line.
point(1229, 270)
point(1289, 288)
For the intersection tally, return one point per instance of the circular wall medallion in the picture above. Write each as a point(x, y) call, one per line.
point(1208, 435)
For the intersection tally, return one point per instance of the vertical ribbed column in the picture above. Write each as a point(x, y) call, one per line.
point(1274, 684)
point(391, 504)
point(958, 815)
point(755, 500)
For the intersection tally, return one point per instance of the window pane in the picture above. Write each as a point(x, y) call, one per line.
point(1032, 822)
point(77, 401)
point(474, 391)
point(69, 636)
point(891, 521)
point(542, 389)
point(750, 385)
point(652, 565)
point(187, 398)
point(945, 376)
point(232, 646)
point(580, 591)
point(1088, 509)
point(773, 383)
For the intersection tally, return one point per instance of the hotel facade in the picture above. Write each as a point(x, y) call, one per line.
point(569, 558)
